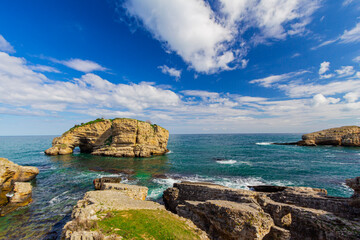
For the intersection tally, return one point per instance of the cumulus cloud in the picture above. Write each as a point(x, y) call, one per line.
point(80, 65)
point(5, 46)
point(170, 71)
point(351, 97)
point(324, 67)
point(213, 40)
point(22, 87)
point(320, 99)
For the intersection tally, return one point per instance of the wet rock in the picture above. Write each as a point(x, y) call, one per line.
point(118, 138)
point(15, 191)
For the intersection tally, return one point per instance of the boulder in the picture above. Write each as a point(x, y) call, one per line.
point(98, 182)
point(275, 212)
point(15, 191)
point(119, 137)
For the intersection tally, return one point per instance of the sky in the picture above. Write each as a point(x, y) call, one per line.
point(194, 66)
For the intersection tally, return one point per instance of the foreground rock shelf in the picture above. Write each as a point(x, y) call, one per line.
point(342, 136)
point(15, 188)
point(209, 211)
point(119, 137)
point(268, 212)
point(119, 211)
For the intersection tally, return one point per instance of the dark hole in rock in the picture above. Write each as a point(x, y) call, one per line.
point(267, 188)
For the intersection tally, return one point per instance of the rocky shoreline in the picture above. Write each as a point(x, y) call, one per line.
point(348, 136)
point(120, 137)
point(15, 187)
point(210, 211)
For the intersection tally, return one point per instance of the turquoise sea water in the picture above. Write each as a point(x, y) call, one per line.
point(234, 160)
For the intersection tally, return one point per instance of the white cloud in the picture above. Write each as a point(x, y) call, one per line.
point(43, 68)
point(320, 99)
point(357, 59)
point(345, 71)
point(351, 97)
point(211, 41)
point(85, 66)
point(20, 86)
point(324, 67)
point(349, 36)
point(269, 81)
point(170, 71)
point(347, 2)
point(5, 46)
point(352, 35)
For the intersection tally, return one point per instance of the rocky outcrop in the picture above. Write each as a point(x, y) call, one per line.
point(267, 212)
point(99, 205)
point(15, 190)
point(342, 136)
point(118, 137)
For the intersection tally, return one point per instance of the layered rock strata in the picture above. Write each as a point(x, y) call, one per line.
point(342, 136)
point(15, 189)
point(119, 138)
point(97, 205)
point(268, 212)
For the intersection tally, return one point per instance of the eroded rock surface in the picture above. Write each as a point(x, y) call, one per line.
point(268, 212)
point(96, 205)
point(341, 136)
point(15, 190)
point(119, 138)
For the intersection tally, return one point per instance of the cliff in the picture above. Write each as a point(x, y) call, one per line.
point(15, 190)
point(268, 212)
point(341, 136)
point(118, 137)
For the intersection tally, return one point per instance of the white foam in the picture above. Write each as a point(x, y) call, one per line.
point(226, 161)
point(264, 143)
point(169, 152)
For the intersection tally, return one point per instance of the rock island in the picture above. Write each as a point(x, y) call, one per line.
point(120, 137)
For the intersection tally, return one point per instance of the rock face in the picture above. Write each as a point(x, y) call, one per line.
point(342, 136)
point(119, 138)
point(268, 212)
point(96, 206)
point(15, 190)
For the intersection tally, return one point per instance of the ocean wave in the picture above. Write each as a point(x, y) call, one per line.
point(169, 152)
point(264, 143)
point(226, 161)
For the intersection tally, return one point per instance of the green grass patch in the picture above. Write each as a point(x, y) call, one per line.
point(145, 224)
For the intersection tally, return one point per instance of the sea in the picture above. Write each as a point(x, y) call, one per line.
point(233, 160)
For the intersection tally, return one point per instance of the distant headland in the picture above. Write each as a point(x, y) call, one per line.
point(341, 136)
point(119, 137)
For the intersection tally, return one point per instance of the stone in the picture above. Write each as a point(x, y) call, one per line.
point(98, 182)
point(354, 183)
point(96, 205)
point(341, 136)
point(296, 212)
point(119, 137)
point(113, 183)
point(15, 191)
point(228, 220)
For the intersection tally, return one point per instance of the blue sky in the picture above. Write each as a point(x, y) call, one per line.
point(195, 66)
